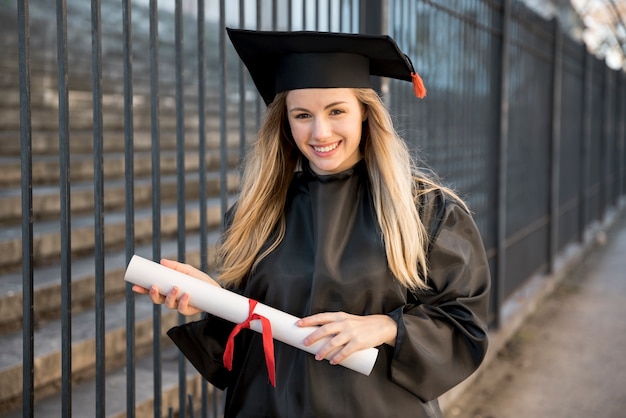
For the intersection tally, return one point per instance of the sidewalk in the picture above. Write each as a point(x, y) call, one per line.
point(568, 358)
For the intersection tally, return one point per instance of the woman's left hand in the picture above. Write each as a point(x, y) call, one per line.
point(348, 333)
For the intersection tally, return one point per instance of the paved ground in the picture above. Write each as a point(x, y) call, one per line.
point(568, 360)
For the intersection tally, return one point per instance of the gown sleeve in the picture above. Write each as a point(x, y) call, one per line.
point(202, 342)
point(442, 333)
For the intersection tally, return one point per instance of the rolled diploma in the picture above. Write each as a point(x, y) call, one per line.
point(235, 308)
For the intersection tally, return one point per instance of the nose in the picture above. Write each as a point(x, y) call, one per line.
point(321, 129)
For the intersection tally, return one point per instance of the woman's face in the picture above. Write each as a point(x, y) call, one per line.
point(326, 125)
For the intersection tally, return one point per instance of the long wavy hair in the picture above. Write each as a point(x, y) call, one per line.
point(396, 185)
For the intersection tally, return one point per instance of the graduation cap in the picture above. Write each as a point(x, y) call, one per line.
point(281, 61)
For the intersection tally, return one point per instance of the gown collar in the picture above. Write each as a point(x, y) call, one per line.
point(309, 174)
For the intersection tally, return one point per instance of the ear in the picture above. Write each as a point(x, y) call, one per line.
point(365, 113)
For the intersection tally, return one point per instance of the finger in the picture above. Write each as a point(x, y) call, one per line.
point(175, 265)
point(182, 267)
point(156, 296)
point(341, 355)
point(332, 347)
point(320, 319)
point(140, 290)
point(189, 270)
point(170, 299)
point(184, 307)
point(351, 343)
point(328, 330)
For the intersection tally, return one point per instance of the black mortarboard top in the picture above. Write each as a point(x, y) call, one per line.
point(281, 61)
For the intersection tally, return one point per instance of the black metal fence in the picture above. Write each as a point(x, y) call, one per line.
point(134, 116)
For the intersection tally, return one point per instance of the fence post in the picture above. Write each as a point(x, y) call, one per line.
point(555, 150)
point(621, 135)
point(585, 157)
point(155, 159)
point(65, 213)
point(607, 142)
point(180, 183)
point(26, 159)
point(498, 282)
point(129, 205)
point(373, 21)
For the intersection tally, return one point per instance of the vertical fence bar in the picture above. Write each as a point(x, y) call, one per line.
point(204, 247)
point(274, 15)
point(242, 88)
point(603, 176)
point(353, 16)
point(502, 164)
point(289, 15)
point(317, 15)
point(585, 143)
point(555, 149)
point(180, 181)
point(257, 102)
point(341, 14)
point(329, 16)
point(130, 202)
point(372, 21)
point(222, 93)
point(621, 134)
point(222, 116)
point(156, 199)
point(26, 159)
point(65, 214)
point(608, 134)
point(98, 193)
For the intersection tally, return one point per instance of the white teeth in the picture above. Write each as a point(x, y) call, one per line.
point(327, 148)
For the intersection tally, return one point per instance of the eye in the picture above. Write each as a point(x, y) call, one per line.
point(336, 112)
point(302, 116)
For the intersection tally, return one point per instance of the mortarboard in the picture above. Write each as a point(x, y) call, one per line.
point(281, 61)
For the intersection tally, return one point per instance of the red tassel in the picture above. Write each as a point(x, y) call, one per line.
point(268, 342)
point(418, 85)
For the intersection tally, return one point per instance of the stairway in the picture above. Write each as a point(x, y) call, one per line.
point(46, 204)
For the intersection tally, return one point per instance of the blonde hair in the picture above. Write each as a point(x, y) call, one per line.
point(395, 182)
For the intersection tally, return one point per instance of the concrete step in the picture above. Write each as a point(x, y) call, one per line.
point(44, 88)
point(47, 201)
point(46, 168)
point(47, 118)
point(44, 93)
point(83, 400)
point(81, 141)
point(47, 236)
point(47, 280)
point(48, 343)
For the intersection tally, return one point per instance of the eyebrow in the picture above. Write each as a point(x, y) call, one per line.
point(302, 109)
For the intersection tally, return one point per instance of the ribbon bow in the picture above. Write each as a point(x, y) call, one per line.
point(268, 342)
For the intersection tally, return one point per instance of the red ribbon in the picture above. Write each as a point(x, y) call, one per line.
point(268, 342)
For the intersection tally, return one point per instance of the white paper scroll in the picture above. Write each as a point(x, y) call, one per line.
point(233, 307)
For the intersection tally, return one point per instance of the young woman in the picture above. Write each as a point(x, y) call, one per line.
point(335, 225)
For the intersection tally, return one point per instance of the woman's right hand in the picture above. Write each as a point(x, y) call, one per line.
point(175, 300)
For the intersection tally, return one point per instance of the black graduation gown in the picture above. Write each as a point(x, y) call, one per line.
point(332, 258)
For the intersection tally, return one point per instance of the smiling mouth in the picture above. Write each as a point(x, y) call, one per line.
point(326, 148)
